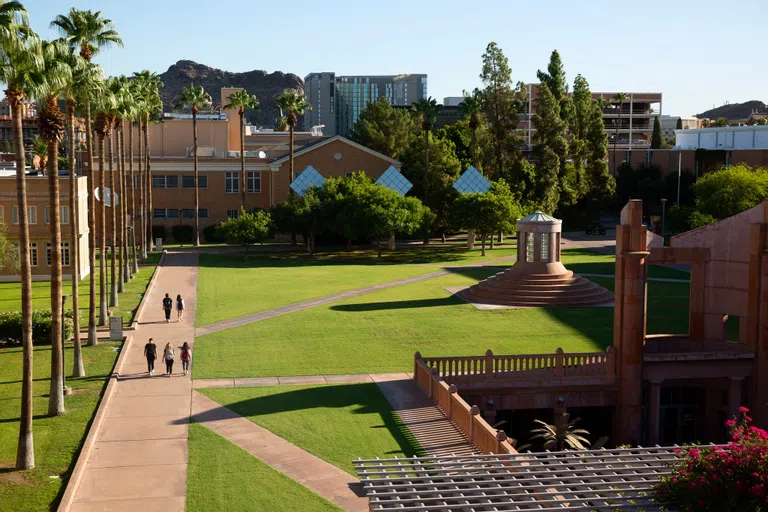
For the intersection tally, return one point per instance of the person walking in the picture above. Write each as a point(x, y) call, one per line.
point(168, 355)
point(167, 307)
point(180, 308)
point(186, 357)
point(150, 352)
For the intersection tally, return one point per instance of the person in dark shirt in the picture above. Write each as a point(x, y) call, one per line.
point(167, 307)
point(150, 352)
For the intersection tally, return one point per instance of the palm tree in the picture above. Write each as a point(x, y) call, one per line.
point(619, 98)
point(88, 32)
point(40, 150)
point(150, 85)
point(55, 77)
point(241, 101)
point(563, 434)
point(132, 105)
point(20, 59)
point(102, 128)
point(111, 115)
point(126, 112)
point(470, 107)
point(293, 104)
point(429, 109)
point(196, 98)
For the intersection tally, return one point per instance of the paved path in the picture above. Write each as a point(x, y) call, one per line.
point(292, 308)
point(436, 434)
point(139, 459)
point(248, 382)
point(310, 471)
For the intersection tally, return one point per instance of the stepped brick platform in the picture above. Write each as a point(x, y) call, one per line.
point(513, 289)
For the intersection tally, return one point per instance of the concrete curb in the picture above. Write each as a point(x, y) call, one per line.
point(93, 432)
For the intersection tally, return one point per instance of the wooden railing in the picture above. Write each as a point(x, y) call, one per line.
point(525, 366)
point(467, 419)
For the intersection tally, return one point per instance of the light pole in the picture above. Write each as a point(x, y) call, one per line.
point(181, 226)
point(67, 391)
point(663, 214)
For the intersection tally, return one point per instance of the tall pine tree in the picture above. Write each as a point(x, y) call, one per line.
point(657, 142)
point(549, 151)
point(600, 182)
point(555, 79)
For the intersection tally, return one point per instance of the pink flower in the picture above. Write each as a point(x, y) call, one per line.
point(743, 409)
point(730, 423)
point(747, 418)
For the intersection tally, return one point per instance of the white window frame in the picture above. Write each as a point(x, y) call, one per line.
point(252, 177)
point(64, 214)
point(15, 215)
point(231, 182)
point(48, 254)
point(32, 214)
point(32, 253)
point(2, 214)
point(65, 254)
point(47, 214)
point(233, 214)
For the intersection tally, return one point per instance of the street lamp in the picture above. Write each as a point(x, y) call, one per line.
point(67, 391)
point(181, 226)
point(663, 214)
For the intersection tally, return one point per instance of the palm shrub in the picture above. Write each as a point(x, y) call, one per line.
point(725, 478)
point(563, 434)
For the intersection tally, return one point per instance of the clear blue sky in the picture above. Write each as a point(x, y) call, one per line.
point(698, 53)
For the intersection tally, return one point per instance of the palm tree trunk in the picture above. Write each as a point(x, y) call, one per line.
point(56, 396)
point(242, 154)
point(102, 238)
point(148, 170)
point(426, 179)
point(122, 269)
point(113, 221)
point(125, 253)
point(197, 189)
point(132, 211)
point(142, 195)
point(92, 339)
point(78, 368)
point(25, 454)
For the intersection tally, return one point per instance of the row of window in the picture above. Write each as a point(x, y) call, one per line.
point(173, 213)
point(65, 254)
point(231, 183)
point(32, 214)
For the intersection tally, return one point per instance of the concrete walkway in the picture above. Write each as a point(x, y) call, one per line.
point(139, 458)
point(311, 303)
point(325, 479)
point(247, 382)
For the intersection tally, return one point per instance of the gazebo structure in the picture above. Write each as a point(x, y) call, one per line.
point(538, 278)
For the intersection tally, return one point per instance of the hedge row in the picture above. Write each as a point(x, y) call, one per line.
point(10, 327)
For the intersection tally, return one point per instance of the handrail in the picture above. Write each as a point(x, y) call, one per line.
point(467, 419)
point(525, 366)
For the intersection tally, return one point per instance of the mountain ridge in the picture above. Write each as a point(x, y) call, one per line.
point(734, 110)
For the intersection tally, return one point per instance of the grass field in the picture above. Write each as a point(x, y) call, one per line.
point(338, 423)
point(230, 285)
point(57, 440)
point(128, 301)
point(222, 476)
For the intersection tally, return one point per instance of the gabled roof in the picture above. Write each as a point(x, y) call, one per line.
point(538, 217)
point(314, 145)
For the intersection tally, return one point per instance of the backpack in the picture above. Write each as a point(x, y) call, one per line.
point(185, 353)
point(180, 304)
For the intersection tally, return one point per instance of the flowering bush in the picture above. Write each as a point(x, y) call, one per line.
point(730, 478)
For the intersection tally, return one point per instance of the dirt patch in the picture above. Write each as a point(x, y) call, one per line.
point(8, 474)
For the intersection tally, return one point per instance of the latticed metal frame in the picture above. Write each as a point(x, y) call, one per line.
point(394, 179)
point(618, 479)
point(472, 181)
point(309, 177)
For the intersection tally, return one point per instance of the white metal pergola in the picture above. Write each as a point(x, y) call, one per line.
point(619, 479)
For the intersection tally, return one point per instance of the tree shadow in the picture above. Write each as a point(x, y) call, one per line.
point(451, 300)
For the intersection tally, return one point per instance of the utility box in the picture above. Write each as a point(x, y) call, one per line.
point(159, 244)
point(116, 328)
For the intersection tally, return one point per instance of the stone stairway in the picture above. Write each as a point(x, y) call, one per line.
point(537, 290)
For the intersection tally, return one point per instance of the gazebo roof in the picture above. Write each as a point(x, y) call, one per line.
point(540, 217)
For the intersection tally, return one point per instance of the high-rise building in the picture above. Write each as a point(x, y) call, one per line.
point(337, 100)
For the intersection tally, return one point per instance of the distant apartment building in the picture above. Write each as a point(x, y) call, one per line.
point(452, 101)
point(629, 125)
point(669, 124)
point(338, 100)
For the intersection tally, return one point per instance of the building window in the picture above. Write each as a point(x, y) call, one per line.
point(136, 179)
point(64, 214)
point(171, 182)
point(202, 213)
point(15, 214)
point(188, 213)
point(188, 182)
point(254, 182)
point(47, 214)
point(232, 214)
point(2, 214)
point(32, 253)
point(159, 213)
point(232, 183)
point(158, 181)
point(202, 181)
point(171, 213)
point(48, 254)
point(65, 254)
point(529, 247)
point(32, 214)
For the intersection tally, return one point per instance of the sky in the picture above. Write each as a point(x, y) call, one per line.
point(697, 53)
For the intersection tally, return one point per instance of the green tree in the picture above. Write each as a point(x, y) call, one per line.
point(293, 104)
point(501, 105)
point(618, 100)
point(242, 101)
point(761, 122)
point(341, 201)
point(549, 152)
point(556, 81)
point(384, 129)
point(150, 108)
point(471, 108)
point(600, 183)
point(247, 228)
point(486, 213)
point(385, 212)
point(563, 434)
point(460, 135)
point(679, 124)
point(428, 110)
point(197, 99)
point(720, 122)
point(657, 142)
point(731, 190)
point(21, 56)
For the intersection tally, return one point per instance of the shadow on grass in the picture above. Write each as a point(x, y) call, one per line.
point(451, 300)
point(365, 396)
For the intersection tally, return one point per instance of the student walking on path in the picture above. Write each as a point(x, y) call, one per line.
point(186, 357)
point(150, 352)
point(179, 308)
point(168, 355)
point(167, 307)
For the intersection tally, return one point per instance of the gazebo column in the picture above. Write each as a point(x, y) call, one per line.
point(552, 256)
point(654, 412)
point(521, 245)
point(557, 236)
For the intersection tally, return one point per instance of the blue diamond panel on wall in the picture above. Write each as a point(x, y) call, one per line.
point(309, 177)
point(472, 181)
point(394, 179)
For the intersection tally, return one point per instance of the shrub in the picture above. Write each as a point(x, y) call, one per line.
point(10, 326)
point(183, 234)
point(159, 232)
point(731, 478)
point(212, 234)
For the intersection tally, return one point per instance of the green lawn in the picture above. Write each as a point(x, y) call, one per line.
point(380, 331)
point(128, 301)
point(57, 440)
point(222, 476)
point(338, 423)
point(230, 286)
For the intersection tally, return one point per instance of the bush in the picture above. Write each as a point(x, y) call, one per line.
point(10, 326)
point(159, 232)
point(732, 478)
point(212, 234)
point(183, 234)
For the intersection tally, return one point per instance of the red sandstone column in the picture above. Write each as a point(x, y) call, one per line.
point(759, 379)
